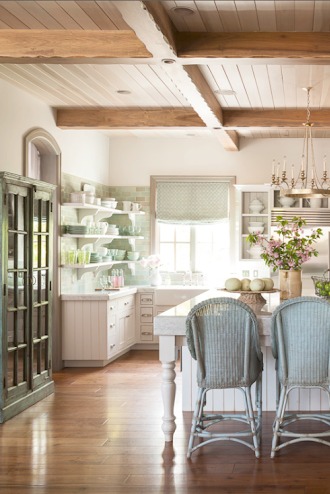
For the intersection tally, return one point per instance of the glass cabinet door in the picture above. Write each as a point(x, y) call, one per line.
point(41, 299)
point(16, 360)
point(27, 270)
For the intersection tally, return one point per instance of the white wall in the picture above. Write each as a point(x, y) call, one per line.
point(84, 153)
point(133, 160)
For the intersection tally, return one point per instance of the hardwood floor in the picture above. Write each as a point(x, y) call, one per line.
point(100, 434)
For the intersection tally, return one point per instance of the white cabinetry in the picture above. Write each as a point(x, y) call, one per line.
point(153, 302)
point(96, 330)
point(246, 195)
point(145, 318)
point(126, 323)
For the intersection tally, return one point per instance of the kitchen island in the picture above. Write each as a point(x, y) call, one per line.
point(171, 330)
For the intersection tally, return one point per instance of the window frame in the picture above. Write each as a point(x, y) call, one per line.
point(156, 179)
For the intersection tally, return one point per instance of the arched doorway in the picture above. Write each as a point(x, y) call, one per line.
point(42, 161)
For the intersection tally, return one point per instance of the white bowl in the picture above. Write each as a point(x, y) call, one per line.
point(256, 223)
point(256, 208)
point(287, 202)
point(256, 229)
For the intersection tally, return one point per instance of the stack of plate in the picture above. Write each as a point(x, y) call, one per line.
point(109, 202)
point(120, 256)
point(112, 230)
point(95, 257)
point(77, 229)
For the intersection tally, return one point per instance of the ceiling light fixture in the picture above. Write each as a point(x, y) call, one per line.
point(225, 92)
point(183, 11)
point(307, 184)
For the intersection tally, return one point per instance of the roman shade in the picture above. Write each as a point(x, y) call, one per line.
point(192, 202)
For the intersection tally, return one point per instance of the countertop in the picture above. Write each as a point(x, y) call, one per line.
point(128, 290)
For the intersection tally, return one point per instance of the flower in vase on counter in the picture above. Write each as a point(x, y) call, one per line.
point(288, 248)
point(152, 262)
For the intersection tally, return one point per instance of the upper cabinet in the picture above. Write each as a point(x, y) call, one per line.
point(257, 209)
point(254, 207)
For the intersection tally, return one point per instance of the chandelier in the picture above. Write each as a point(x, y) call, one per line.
point(307, 183)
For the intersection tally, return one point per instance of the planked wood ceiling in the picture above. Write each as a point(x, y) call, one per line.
point(236, 68)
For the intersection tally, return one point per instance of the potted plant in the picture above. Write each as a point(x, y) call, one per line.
point(286, 251)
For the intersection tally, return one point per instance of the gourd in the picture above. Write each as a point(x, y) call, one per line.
point(257, 285)
point(245, 282)
point(233, 284)
point(269, 283)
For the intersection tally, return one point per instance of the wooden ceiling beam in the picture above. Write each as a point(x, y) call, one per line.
point(274, 118)
point(42, 45)
point(154, 28)
point(282, 45)
point(128, 118)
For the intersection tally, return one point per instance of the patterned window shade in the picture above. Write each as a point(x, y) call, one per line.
point(192, 202)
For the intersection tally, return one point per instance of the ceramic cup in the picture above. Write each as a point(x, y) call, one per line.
point(136, 206)
point(127, 205)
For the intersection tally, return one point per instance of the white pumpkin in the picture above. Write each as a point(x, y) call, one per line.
point(269, 283)
point(257, 285)
point(245, 283)
point(233, 284)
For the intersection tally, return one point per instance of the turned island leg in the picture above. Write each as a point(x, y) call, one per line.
point(167, 358)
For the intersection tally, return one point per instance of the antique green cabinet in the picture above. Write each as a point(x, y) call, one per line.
point(26, 281)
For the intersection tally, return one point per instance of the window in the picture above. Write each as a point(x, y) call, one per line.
point(189, 245)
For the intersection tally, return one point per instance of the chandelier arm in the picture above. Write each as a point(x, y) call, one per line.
point(307, 184)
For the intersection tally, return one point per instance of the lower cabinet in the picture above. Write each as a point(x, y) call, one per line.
point(97, 331)
point(145, 317)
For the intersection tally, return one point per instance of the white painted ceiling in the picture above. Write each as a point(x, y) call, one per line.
point(236, 84)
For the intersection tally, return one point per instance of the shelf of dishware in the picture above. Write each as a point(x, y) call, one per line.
point(100, 212)
point(94, 265)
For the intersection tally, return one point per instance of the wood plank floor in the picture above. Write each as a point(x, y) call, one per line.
point(100, 434)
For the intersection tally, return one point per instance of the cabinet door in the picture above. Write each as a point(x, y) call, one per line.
point(16, 322)
point(26, 314)
point(126, 329)
point(41, 282)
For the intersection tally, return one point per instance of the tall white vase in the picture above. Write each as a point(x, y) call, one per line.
point(155, 277)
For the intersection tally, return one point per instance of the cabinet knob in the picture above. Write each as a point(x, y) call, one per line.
point(112, 346)
point(128, 316)
point(111, 307)
point(145, 315)
point(112, 325)
point(146, 332)
point(126, 303)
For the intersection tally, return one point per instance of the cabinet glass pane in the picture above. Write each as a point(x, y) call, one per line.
point(10, 328)
point(17, 217)
point(36, 322)
point(44, 320)
point(21, 327)
point(10, 374)
point(21, 216)
point(21, 365)
point(21, 251)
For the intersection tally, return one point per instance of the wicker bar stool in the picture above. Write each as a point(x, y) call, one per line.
point(222, 335)
point(300, 332)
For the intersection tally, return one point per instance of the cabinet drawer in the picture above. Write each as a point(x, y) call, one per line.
point(126, 303)
point(112, 307)
point(146, 298)
point(146, 333)
point(146, 314)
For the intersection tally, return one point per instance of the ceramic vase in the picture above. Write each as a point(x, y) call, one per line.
point(290, 283)
point(155, 277)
